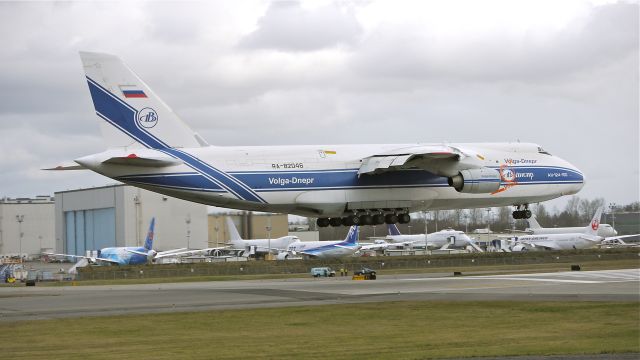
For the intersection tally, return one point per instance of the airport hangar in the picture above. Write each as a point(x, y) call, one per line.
point(75, 221)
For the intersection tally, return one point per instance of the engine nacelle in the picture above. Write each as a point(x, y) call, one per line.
point(282, 256)
point(476, 181)
point(519, 247)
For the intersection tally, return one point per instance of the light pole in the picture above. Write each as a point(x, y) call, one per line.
point(612, 207)
point(187, 220)
point(268, 227)
point(216, 228)
point(20, 219)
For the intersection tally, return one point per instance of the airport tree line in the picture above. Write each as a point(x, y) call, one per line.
point(577, 212)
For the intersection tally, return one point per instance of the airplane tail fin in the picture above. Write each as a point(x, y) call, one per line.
point(148, 242)
point(131, 113)
point(533, 223)
point(234, 236)
point(352, 236)
point(393, 229)
point(592, 228)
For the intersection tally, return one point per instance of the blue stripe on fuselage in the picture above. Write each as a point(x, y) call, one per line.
point(266, 181)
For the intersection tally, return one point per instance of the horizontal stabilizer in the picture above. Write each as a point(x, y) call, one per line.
point(134, 160)
point(67, 166)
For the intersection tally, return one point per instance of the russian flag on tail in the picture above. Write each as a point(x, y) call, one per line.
point(131, 91)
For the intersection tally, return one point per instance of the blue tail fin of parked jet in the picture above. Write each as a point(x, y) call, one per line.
point(352, 236)
point(393, 229)
point(148, 243)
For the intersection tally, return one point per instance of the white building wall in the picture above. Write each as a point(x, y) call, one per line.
point(171, 229)
point(38, 228)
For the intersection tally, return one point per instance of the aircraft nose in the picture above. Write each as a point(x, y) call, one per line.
point(574, 177)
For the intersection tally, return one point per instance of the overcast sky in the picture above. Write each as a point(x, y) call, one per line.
point(563, 74)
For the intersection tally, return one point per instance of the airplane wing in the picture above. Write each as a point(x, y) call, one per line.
point(137, 252)
point(111, 261)
point(185, 252)
point(620, 237)
point(438, 159)
point(545, 244)
point(169, 252)
point(374, 246)
point(67, 255)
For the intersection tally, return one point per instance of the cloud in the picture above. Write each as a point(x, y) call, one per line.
point(493, 53)
point(287, 26)
point(563, 74)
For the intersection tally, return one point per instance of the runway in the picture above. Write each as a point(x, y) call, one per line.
point(22, 303)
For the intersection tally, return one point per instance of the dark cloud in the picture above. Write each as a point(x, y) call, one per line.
point(287, 26)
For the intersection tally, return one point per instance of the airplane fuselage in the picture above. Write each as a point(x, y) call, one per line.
point(559, 241)
point(323, 181)
point(123, 256)
point(323, 249)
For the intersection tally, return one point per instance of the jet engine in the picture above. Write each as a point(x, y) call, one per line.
point(518, 248)
point(476, 181)
point(151, 256)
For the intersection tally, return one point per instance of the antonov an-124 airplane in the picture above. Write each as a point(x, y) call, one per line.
point(151, 148)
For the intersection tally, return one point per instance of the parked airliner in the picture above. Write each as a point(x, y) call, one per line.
point(128, 255)
point(152, 148)
point(326, 249)
point(535, 228)
point(587, 238)
point(435, 240)
point(276, 245)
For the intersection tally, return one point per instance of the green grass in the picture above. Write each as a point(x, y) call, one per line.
point(392, 330)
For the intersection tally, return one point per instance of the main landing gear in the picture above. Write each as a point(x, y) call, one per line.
point(366, 218)
point(523, 212)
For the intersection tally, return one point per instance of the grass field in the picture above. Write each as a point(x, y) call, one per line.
point(392, 330)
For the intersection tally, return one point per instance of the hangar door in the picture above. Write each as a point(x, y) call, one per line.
point(89, 230)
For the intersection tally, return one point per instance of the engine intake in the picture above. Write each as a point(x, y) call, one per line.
point(476, 181)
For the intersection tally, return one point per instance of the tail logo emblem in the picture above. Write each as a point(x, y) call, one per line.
point(594, 224)
point(147, 118)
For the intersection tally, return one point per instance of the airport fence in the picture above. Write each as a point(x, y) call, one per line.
point(260, 267)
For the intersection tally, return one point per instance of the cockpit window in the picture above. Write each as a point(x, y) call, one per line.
point(541, 151)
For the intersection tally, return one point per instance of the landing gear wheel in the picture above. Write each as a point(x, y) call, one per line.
point(527, 214)
point(516, 215)
point(391, 219)
point(366, 219)
point(351, 220)
point(404, 218)
point(378, 219)
point(322, 222)
point(335, 222)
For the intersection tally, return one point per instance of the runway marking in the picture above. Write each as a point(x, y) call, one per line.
point(586, 277)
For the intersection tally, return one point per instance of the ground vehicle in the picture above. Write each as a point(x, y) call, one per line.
point(323, 271)
point(368, 274)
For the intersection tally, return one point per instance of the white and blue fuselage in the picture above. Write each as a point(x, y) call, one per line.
point(124, 255)
point(305, 180)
